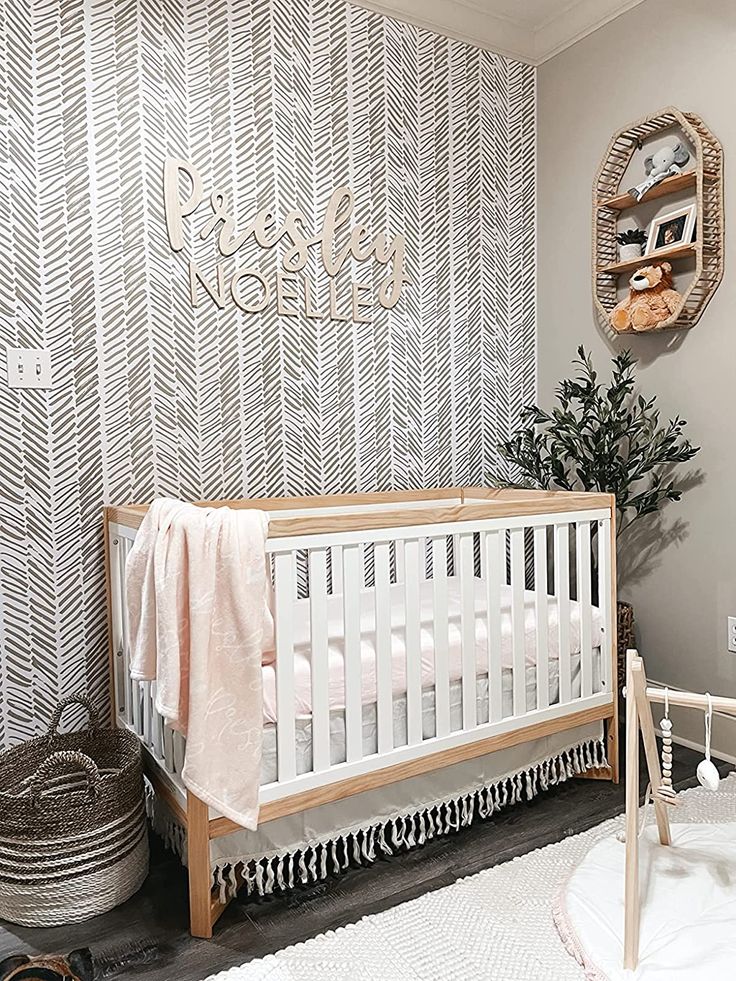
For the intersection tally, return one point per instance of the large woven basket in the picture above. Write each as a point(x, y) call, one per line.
point(73, 837)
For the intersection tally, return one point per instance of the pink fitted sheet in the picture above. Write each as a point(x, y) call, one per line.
point(336, 644)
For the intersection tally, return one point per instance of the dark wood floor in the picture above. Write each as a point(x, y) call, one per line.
point(147, 936)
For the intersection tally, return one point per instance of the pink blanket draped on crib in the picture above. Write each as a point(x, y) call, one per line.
point(197, 594)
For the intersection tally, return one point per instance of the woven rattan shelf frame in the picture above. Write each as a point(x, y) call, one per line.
point(607, 202)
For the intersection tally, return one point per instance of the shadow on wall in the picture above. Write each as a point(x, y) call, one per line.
point(642, 546)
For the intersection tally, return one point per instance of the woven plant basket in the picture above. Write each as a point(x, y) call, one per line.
point(625, 638)
point(73, 836)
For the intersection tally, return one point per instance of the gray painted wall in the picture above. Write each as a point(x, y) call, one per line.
point(662, 52)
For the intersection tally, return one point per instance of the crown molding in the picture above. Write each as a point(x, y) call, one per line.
point(460, 20)
point(474, 22)
point(575, 23)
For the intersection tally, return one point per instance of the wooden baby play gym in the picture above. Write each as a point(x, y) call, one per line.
point(639, 699)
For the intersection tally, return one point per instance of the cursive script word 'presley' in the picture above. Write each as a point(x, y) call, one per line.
point(335, 239)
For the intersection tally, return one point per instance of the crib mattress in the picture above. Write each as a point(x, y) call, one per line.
point(336, 642)
point(370, 732)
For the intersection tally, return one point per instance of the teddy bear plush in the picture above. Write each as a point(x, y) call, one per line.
point(652, 299)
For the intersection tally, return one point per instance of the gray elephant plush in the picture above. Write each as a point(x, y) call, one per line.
point(666, 162)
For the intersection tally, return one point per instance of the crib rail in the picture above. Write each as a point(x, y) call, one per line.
point(444, 578)
point(514, 553)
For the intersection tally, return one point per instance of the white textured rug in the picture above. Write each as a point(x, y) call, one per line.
point(496, 925)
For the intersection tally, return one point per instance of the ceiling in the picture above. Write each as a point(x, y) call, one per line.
point(530, 30)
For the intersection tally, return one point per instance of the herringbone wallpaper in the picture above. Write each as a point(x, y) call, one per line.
point(277, 103)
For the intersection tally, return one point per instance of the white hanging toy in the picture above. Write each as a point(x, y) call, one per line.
point(665, 791)
point(707, 773)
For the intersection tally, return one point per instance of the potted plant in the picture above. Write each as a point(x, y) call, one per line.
point(602, 438)
point(631, 243)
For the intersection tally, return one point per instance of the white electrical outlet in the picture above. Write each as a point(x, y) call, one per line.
point(29, 367)
point(732, 635)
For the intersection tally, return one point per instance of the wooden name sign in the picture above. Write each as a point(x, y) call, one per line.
point(336, 240)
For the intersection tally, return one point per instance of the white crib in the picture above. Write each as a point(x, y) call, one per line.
point(487, 594)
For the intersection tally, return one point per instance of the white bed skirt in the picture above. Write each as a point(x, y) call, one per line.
point(309, 846)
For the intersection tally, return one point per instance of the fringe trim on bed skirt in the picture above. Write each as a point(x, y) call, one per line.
point(165, 825)
point(362, 846)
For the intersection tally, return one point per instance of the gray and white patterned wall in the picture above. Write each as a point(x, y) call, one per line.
point(278, 102)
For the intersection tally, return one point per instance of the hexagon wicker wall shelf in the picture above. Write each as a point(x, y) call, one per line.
point(609, 201)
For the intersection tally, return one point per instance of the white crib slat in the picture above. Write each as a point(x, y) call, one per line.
point(284, 598)
point(541, 615)
point(351, 584)
point(399, 561)
point(180, 751)
point(423, 558)
point(604, 600)
point(116, 589)
point(517, 620)
point(441, 640)
point(137, 693)
point(410, 550)
point(320, 666)
point(168, 748)
point(147, 713)
point(120, 683)
point(493, 545)
point(158, 722)
point(118, 612)
point(467, 630)
point(562, 594)
point(582, 554)
point(137, 713)
point(384, 680)
point(127, 680)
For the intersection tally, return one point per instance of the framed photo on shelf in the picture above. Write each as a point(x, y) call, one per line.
point(672, 229)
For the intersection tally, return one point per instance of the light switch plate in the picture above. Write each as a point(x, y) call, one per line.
point(731, 643)
point(29, 367)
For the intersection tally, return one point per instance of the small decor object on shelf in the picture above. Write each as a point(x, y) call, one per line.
point(666, 162)
point(631, 243)
point(652, 299)
point(666, 792)
point(707, 773)
point(673, 229)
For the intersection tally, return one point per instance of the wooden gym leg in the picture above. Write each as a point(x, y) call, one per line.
point(198, 858)
point(644, 711)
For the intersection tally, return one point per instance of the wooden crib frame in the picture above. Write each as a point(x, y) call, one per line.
point(475, 518)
